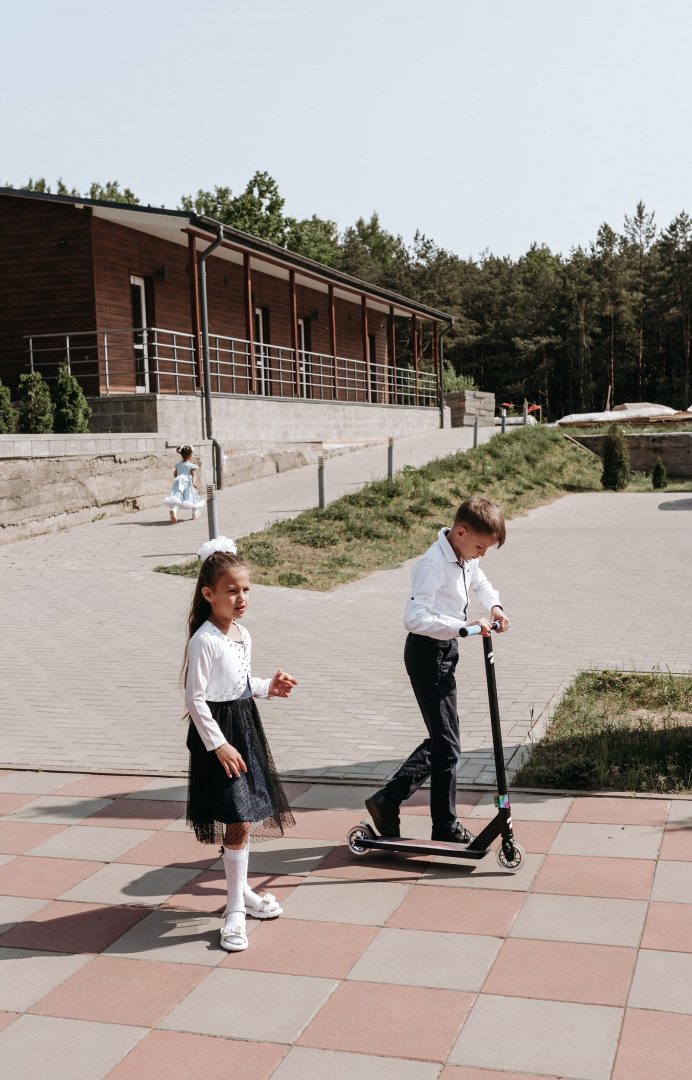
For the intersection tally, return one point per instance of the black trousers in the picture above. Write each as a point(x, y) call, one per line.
point(430, 665)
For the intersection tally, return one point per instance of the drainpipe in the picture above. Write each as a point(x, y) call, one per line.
point(206, 374)
point(441, 370)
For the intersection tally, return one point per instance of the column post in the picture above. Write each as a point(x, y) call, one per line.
point(194, 306)
point(436, 366)
point(332, 340)
point(392, 353)
point(294, 329)
point(414, 349)
point(249, 320)
point(366, 350)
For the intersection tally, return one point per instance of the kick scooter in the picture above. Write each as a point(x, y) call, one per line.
point(510, 854)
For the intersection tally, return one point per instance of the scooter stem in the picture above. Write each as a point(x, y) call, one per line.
point(500, 773)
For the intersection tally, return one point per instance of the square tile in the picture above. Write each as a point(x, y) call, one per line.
point(293, 788)
point(484, 874)
point(534, 836)
point(30, 876)
point(668, 926)
point(586, 919)
point(427, 958)
point(654, 1045)
point(304, 1063)
point(334, 797)
point(619, 879)
point(138, 813)
point(677, 845)
point(9, 802)
point(333, 825)
point(458, 1072)
point(116, 990)
point(101, 845)
point(525, 807)
point(607, 841)
point(29, 975)
point(181, 937)
point(294, 947)
point(253, 1005)
point(35, 783)
point(475, 911)
point(120, 883)
point(177, 1055)
point(562, 971)
point(364, 903)
point(680, 813)
point(105, 787)
point(13, 909)
point(663, 981)
point(62, 926)
point(7, 1018)
point(539, 1037)
point(57, 810)
point(672, 883)
point(208, 891)
point(49, 1048)
point(16, 837)
point(171, 849)
point(164, 788)
point(614, 811)
point(287, 856)
point(373, 866)
point(346, 1021)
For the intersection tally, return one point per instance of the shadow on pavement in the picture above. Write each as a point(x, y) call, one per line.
point(676, 504)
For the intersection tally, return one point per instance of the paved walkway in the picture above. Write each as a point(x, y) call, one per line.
point(94, 640)
point(579, 967)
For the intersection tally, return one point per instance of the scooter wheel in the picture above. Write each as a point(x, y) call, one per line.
point(512, 860)
point(355, 838)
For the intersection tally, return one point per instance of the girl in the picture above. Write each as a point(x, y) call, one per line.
point(184, 494)
point(234, 787)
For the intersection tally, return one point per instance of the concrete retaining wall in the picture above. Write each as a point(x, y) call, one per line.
point(673, 448)
point(249, 420)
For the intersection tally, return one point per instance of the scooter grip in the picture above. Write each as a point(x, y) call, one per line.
point(469, 631)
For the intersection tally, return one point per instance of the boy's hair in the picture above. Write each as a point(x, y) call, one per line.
point(483, 516)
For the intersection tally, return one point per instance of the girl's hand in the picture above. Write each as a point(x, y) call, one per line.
point(231, 760)
point(282, 684)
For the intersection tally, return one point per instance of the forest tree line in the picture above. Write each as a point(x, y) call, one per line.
point(608, 323)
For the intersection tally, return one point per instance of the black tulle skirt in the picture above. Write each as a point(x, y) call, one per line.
point(215, 800)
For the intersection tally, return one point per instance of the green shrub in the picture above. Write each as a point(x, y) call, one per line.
point(659, 477)
point(290, 580)
point(8, 415)
point(398, 517)
point(616, 460)
point(71, 410)
point(36, 408)
point(453, 382)
point(259, 553)
point(420, 509)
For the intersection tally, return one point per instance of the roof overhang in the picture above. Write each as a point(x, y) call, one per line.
point(176, 226)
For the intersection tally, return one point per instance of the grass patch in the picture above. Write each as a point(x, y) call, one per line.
point(617, 731)
point(389, 521)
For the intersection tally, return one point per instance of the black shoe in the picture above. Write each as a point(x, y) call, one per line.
point(384, 813)
point(456, 835)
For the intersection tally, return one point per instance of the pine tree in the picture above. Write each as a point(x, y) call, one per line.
point(8, 415)
point(36, 409)
point(616, 460)
point(659, 477)
point(71, 410)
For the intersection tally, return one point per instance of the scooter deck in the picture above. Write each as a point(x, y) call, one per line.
point(421, 847)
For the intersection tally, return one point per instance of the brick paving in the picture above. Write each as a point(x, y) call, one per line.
point(91, 658)
point(578, 967)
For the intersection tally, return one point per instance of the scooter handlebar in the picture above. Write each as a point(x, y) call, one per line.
point(470, 631)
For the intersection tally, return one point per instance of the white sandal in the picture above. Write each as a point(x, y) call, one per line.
point(268, 908)
point(233, 936)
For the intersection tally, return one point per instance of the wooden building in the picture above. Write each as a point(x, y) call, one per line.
point(114, 291)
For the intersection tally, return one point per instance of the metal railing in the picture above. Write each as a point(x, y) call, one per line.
point(152, 359)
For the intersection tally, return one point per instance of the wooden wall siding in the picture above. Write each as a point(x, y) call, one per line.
point(46, 287)
point(118, 253)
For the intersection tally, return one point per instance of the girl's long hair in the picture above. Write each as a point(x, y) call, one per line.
point(221, 562)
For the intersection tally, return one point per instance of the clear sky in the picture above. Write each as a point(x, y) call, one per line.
point(486, 124)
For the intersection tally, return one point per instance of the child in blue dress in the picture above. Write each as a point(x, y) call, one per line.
point(184, 494)
point(234, 789)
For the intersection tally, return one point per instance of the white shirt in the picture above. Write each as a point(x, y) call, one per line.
point(440, 584)
point(218, 670)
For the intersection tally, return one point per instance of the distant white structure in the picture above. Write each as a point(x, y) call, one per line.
point(638, 410)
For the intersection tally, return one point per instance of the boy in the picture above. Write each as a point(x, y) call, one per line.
point(435, 613)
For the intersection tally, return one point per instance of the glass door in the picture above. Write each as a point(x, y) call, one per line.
point(139, 322)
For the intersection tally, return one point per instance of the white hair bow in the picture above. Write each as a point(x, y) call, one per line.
point(221, 543)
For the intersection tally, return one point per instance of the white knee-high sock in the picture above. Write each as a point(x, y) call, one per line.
point(235, 867)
